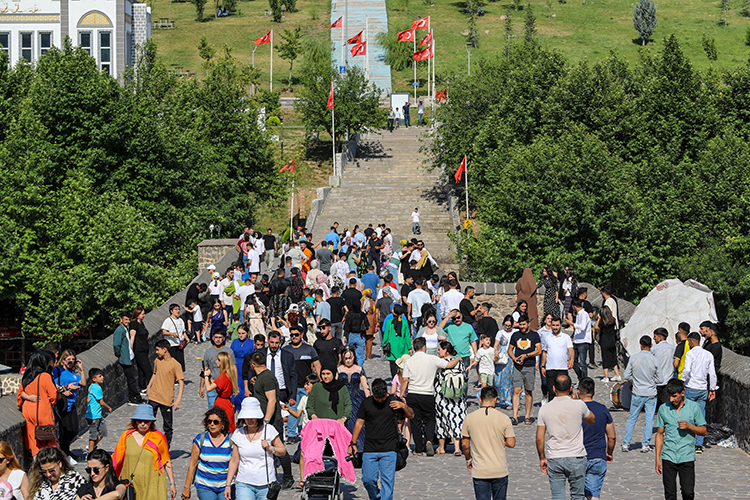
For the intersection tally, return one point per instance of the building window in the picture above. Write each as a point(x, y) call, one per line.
point(84, 40)
point(27, 46)
point(45, 43)
point(105, 50)
point(5, 44)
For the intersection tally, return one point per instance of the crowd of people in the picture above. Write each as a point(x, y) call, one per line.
point(286, 346)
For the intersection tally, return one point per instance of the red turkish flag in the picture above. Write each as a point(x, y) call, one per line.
point(421, 24)
point(406, 36)
point(264, 39)
point(460, 170)
point(360, 49)
point(440, 96)
point(330, 97)
point(338, 23)
point(427, 40)
point(355, 39)
point(288, 167)
point(423, 54)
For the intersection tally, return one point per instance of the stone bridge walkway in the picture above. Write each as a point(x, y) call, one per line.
point(721, 473)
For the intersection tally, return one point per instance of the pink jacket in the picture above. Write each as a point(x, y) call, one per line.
point(314, 437)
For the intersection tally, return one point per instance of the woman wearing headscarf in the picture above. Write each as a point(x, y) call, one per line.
point(526, 290)
point(36, 397)
point(424, 266)
point(368, 307)
point(396, 337)
point(329, 398)
point(312, 275)
point(322, 285)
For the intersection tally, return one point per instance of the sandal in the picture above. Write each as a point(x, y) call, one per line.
point(440, 452)
point(528, 421)
point(456, 453)
point(513, 421)
point(300, 486)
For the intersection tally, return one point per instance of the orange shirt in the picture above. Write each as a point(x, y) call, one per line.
point(44, 387)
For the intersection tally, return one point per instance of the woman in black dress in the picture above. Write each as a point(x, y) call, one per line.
point(139, 341)
point(549, 282)
point(608, 342)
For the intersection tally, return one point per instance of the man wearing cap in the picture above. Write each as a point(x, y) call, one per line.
point(124, 352)
point(664, 353)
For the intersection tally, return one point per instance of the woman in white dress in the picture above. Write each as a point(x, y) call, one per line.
point(11, 471)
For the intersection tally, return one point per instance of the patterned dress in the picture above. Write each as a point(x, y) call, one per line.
point(550, 290)
point(504, 373)
point(449, 413)
point(357, 395)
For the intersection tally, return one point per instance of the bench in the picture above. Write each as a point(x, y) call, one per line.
point(164, 22)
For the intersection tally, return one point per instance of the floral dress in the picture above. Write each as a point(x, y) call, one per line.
point(357, 395)
point(504, 373)
point(550, 291)
point(449, 413)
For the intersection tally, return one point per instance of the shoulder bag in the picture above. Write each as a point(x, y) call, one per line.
point(274, 487)
point(183, 342)
point(43, 432)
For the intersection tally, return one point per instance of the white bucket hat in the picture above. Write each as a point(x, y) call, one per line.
point(250, 409)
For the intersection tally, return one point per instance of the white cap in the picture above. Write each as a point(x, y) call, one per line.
point(250, 409)
point(211, 268)
point(217, 276)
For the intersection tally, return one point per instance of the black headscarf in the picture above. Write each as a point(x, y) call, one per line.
point(39, 362)
point(333, 388)
point(398, 311)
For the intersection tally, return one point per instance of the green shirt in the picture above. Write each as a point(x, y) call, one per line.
point(232, 290)
point(232, 329)
point(400, 344)
point(461, 336)
point(319, 403)
point(265, 382)
point(679, 444)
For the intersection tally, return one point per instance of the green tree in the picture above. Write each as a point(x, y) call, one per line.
point(398, 55)
point(644, 19)
point(291, 48)
point(200, 6)
point(709, 46)
point(290, 5)
point(206, 51)
point(275, 6)
point(508, 35)
point(529, 25)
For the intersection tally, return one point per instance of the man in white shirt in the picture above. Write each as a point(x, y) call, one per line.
point(581, 338)
point(416, 227)
point(253, 260)
point(699, 376)
point(564, 455)
point(416, 254)
point(664, 353)
point(557, 356)
point(244, 291)
point(451, 299)
point(227, 298)
point(419, 377)
point(414, 302)
point(340, 267)
point(173, 330)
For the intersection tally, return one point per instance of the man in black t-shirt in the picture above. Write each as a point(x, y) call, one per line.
point(337, 313)
point(407, 288)
point(374, 248)
point(523, 348)
point(352, 296)
point(368, 232)
point(486, 324)
point(468, 311)
point(327, 347)
point(271, 246)
point(382, 413)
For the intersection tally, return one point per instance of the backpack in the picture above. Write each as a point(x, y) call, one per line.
point(454, 384)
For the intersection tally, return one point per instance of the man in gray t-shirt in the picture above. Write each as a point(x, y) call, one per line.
point(324, 256)
point(209, 358)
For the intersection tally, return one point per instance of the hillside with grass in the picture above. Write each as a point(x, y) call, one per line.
point(580, 30)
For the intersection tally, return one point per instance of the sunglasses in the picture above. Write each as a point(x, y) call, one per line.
point(214, 422)
point(93, 470)
point(49, 471)
point(3, 459)
point(295, 335)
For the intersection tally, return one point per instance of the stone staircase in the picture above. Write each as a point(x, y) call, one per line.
point(384, 184)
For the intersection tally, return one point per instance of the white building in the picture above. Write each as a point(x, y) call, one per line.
point(109, 30)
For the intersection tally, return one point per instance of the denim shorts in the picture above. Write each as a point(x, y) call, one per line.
point(596, 469)
point(97, 428)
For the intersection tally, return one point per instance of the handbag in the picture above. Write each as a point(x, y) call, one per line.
point(43, 432)
point(129, 487)
point(386, 349)
point(183, 343)
point(274, 487)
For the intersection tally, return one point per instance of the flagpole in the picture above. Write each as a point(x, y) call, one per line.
point(429, 21)
point(346, 31)
point(333, 131)
point(414, 65)
point(343, 46)
point(466, 188)
point(367, 56)
point(271, 60)
point(291, 216)
point(433, 76)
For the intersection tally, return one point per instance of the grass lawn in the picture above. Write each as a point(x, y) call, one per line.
point(178, 46)
point(580, 31)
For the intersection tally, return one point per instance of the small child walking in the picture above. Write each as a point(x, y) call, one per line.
point(94, 416)
point(485, 358)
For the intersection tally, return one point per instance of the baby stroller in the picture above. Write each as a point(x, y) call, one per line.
point(324, 448)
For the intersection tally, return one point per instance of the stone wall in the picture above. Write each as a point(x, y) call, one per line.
point(211, 251)
point(732, 404)
point(101, 355)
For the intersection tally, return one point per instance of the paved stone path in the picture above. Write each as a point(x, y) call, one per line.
point(721, 473)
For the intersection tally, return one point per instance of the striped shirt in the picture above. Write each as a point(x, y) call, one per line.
point(213, 463)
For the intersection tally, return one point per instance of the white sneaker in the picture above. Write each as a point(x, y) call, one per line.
point(617, 379)
point(605, 379)
point(72, 461)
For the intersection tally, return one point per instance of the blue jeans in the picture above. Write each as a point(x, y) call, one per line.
point(415, 226)
point(383, 464)
point(596, 469)
point(291, 424)
point(357, 341)
point(251, 492)
point(491, 489)
point(420, 119)
point(571, 468)
point(581, 366)
point(204, 494)
point(699, 397)
point(394, 272)
point(211, 397)
point(637, 403)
